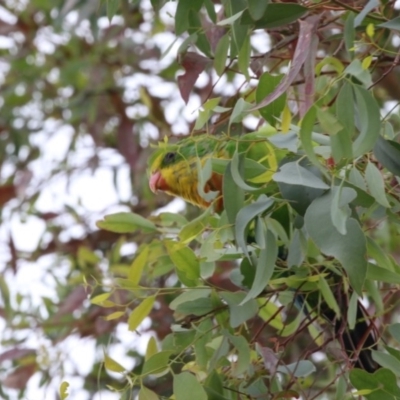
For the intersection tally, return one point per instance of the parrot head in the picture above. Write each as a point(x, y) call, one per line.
point(174, 169)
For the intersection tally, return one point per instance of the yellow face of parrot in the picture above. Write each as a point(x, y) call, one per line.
point(174, 170)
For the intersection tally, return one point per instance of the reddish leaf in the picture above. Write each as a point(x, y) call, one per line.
point(73, 301)
point(309, 86)
point(13, 254)
point(301, 53)
point(20, 377)
point(16, 353)
point(7, 192)
point(194, 65)
point(213, 33)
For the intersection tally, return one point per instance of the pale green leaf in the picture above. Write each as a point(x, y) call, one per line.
point(186, 385)
point(140, 313)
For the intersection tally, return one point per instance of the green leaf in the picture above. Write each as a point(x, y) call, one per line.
point(114, 315)
point(230, 20)
point(239, 111)
point(378, 254)
point(276, 14)
point(147, 394)
point(221, 54)
point(100, 298)
point(151, 348)
point(380, 274)
point(382, 384)
point(245, 216)
point(328, 296)
point(299, 369)
point(340, 211)
point(137, 266)
point(265, 266)
point(186, 383)
point(293, 173)
point(371, 5)
point(158, 363)
point(306, 131)
point(232, 194)
point(329, 123)
point(195, 307)
point(386, 360)
point(140, 313)
point(369, 118)
point(352, 310)
point(193, 228)
point(391, 24)
point(376, 184)
point(190, 295)
point(350, 249)
point(125, 222)
point(182, 14)
point(244, 57)
point(394, 330)
point(237, 167)
point(186, 263)
point(341, 142)
point(196, 27)
point(112, 8)
point(257, 8)
point(239, 313)
point(356, 69)
point(112, 365)
point(63, 390)
point(266, 85)
point(387, 153)
point(297, 249)
point(243, 357)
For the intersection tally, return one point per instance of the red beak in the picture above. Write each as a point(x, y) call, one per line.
point(157, 182)
point(153, 182)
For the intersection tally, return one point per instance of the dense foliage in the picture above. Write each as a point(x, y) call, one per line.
point(196, 301)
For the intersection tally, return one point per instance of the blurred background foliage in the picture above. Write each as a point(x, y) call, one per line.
point(86, 86)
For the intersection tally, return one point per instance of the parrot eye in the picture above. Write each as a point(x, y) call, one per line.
point(169, 157)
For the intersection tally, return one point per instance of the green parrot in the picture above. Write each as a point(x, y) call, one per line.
point(177, 169)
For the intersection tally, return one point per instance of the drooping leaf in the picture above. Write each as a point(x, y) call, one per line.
point(136, 268)
point(64, 390)
point(266, 85)
point(186, 263)
point(147, 394)
point(382, 384)
point(298, 369)
point(140, 312)
point(369, 119)
point(112, 365)
point(185, 383)
point(350, 249)
point(376, 184)
point(221, 54)
point(388, 154)
point(265, 266)
point(239, 313)
point(386, 360)
point(126, 222)
point(276, 14)
point(245, 216)
point(182, 14)
point(233, 195)
point(257, 8)
point(293, 173)
point(300, 55)
point(391, 24)
point(194, 64)
point(157, 363)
